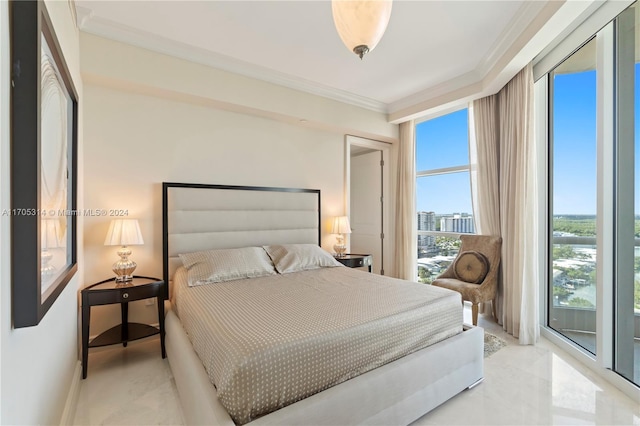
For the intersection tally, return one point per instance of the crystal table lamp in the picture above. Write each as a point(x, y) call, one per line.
point(124, 233)
point(340, 226)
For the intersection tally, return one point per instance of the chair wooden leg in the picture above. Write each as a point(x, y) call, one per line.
point(474, 313)
point(493, 309)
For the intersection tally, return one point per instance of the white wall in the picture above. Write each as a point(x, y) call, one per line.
point(172, 126)
point(37, 363)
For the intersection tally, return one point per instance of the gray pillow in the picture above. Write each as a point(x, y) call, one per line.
point(299, 257)
point(215, 266)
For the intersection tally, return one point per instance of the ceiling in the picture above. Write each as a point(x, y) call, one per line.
point(427, 45)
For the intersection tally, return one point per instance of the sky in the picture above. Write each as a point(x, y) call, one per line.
point(574, 143)
point(574, 133)
point(443, 142)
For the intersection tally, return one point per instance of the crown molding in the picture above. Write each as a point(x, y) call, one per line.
point(96, 25)
point(509, 35)
point(488, 73)
point(498, 50)
point(517, 45)
point(434, 92)
point(73, 12)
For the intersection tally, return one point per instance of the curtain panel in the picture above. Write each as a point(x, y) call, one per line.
point(504, 195)
point(406, 220)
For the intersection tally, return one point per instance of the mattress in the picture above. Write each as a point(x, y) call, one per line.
point(271, 341)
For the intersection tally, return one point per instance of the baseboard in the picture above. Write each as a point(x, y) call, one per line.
point(72, 398)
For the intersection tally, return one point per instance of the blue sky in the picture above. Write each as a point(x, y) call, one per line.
point(442, 142)
point(574, 143)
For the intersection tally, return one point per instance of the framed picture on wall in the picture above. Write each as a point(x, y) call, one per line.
point(44, 130)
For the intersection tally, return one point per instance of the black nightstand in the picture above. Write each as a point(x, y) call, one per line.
point(109, 292)
point(356, 260)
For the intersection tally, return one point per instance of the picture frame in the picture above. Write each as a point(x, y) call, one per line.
point(44, 134)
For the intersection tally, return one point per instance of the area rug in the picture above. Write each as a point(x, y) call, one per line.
point(492, 344)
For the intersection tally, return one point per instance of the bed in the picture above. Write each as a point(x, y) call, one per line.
point(203, 217)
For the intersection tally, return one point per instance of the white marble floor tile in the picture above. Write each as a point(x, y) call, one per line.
point(535, 385)
point(129, 386)
point(524, 385)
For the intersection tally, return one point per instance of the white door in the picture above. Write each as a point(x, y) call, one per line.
point(366, 205)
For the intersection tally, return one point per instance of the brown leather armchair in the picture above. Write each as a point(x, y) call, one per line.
point(470, 265)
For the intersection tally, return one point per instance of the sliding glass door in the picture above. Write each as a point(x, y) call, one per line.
point(573, 192)
point(593, 117)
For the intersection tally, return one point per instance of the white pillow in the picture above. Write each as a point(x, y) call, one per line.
point(299, 257)
point(216, 266)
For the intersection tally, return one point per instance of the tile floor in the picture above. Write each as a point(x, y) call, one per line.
point(132, 386)
point(539, 384)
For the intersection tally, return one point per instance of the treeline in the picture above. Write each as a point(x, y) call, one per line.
point(583, 226)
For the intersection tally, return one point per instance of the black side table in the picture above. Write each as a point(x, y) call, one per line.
point(356, 260)
point(109, 292)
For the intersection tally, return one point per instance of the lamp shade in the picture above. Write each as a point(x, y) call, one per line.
point(341, 225)
point(124, 232)
point(50, 233)
point(361, 24)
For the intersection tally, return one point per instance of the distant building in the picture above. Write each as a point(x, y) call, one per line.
point(426, 243)
point(462, 223)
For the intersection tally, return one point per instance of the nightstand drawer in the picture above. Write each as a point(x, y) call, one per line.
point(123, 295)
point(356, 260)
point(359, 262)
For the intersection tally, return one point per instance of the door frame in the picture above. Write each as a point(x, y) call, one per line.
point(386, 148)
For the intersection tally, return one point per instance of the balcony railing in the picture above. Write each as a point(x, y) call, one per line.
point(574, 303)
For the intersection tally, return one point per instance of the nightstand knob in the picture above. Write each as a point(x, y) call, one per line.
point(125, 295)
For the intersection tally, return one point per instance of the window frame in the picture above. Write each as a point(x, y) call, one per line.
point(445, 171)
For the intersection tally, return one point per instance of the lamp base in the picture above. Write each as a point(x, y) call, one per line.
point(340, 248)
point(124, 267)
point(45, 268)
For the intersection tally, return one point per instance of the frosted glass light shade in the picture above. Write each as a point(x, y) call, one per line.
point(124, 232)
point(361, 23)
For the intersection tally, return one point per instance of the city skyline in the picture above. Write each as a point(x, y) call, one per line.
point(448, 222)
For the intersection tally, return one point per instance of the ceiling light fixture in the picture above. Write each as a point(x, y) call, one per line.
point(361, 23)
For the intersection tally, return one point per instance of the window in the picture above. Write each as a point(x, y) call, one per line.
point(443, 192)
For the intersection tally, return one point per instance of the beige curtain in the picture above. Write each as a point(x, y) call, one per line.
point(504, 194)
point(406, 235)
point(483, 149)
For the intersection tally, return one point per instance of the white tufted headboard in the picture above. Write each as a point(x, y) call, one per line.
point(202, 217)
